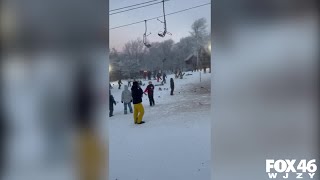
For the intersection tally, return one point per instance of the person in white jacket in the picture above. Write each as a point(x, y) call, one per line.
point(126, 99)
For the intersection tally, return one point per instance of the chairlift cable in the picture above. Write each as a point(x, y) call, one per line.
point(136, 8)
point(132, 5)
point(137, 22)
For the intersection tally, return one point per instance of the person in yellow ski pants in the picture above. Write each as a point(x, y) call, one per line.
point(138, 110)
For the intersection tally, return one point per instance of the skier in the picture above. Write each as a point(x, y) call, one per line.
point(119, 83)
point(171, 86)
point(126, 99)
point(164, 76)
point(150, 90)
point(137, 94)
point(111, 102)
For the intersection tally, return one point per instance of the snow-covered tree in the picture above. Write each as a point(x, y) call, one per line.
point(200, 35)
point(199, 31)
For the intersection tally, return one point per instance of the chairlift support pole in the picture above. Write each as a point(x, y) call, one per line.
point(145, 35)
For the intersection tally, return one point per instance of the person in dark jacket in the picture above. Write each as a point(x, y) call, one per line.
point(150, 89)
point(164, 76)
point(171, 86)
point(111, 103)
point(119, 83)
point(138, 109)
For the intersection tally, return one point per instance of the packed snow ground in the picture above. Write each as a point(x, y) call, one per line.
point(174, 143)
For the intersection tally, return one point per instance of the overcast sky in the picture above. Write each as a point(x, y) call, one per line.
point(177, 24)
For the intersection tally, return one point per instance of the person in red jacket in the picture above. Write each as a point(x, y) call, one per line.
point(150, 90)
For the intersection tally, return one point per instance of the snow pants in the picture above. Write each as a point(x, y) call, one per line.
point(138, 113)
point(164, 80)
point(111, 110)
point(125, 107)
point(151, 99)
point(90, 156)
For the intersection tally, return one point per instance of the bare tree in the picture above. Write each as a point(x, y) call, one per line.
point(160, 55)
point(133, 53)
point(166, 53)
point(153, 57)
point(134, 50)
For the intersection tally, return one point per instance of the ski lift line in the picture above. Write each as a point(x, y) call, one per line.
point(136, 8)
point(133, 8)
point(132, 5)
point(159, 16)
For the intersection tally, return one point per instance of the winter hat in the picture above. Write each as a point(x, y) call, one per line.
point(135, 83)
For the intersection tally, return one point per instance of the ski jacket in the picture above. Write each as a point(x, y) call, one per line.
point(137, 93)
point(164, 76)
point(149, 89)
point(171, 84)
point(126, 96)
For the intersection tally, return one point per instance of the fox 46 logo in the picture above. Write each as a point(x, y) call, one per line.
point(285, 168)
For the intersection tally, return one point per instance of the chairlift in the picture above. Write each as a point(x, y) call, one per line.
point(163, 34)
point(145, 42)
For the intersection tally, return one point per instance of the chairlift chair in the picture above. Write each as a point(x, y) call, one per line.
point(163, 34)
point(145, 41)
